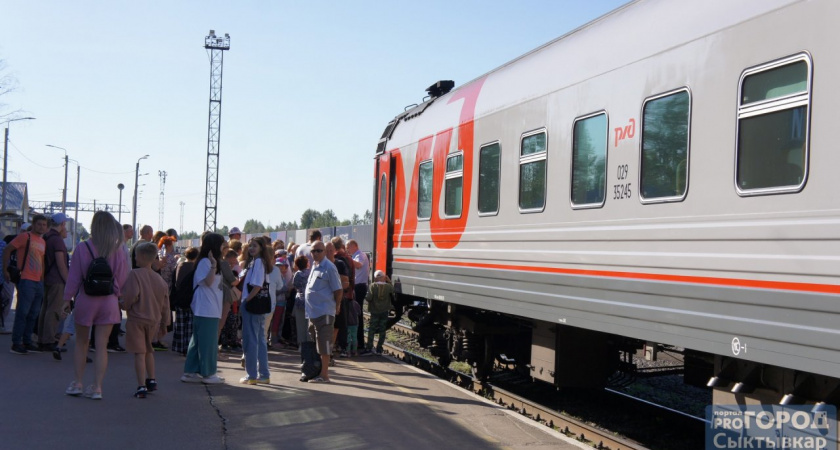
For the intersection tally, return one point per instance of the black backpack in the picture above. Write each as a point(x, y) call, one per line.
point(100, 278)
point(181, 293)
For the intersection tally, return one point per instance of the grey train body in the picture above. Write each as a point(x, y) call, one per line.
point(665, 174)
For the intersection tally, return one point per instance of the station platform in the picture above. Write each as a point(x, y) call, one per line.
point(373, 402)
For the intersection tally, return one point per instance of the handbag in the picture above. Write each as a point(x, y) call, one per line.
point(261, 303)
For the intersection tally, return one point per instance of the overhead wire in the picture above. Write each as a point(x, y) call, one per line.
point(33, 162)
point(62, 166)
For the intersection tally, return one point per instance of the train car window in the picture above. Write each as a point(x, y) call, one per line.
point(666, 125)
point(382, 191)
point(489, 171)
point(532, 172)
point(424, 191)
point(773, 124)
point(589, 161)
point(453, 186)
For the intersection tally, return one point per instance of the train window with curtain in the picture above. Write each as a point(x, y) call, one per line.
point(532, 172)
point(589, 161)
point(382, 191)
point(666, 126)
point(489, 174)
point(773, 123)
point(453, 186)
point(424, 191)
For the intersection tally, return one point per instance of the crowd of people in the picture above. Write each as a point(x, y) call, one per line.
point(225, 296)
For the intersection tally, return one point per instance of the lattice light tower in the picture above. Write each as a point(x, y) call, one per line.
point(162, 174)
point(216, 47)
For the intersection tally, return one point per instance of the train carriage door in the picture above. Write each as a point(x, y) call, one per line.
point(384, 215)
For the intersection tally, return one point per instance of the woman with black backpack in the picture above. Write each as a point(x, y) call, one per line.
point(98, 269)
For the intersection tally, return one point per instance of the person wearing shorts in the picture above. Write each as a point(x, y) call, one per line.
point(145, 298)
point(323, 292)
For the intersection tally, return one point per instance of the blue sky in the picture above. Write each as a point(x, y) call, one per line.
point(308, 88)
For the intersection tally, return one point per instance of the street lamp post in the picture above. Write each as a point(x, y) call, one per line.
point(66, 164)
point(6, 159)
point(120, 187)
point(136, 185)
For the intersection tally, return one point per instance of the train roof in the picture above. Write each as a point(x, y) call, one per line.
point(621, 37)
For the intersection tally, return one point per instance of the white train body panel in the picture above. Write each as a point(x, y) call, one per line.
point(718, 270)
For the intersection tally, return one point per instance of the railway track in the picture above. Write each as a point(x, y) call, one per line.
point(525, 405)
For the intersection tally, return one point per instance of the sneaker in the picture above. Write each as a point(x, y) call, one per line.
point(191, 378)
point(75, 389)
point(57, 354)
point(151, 384)
point(19, 349)
point(319, 380)
point(141, 392)
point(4, 330)
point(262, 381)
point(332, 361)
point(91, 394)
point(159, 347)
point(32, 348)
point(213, 379)
point(343, 354)
point(367, 352)
point(115, 349)
point(246, 380)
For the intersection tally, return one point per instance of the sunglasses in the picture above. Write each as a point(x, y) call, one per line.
point(316, 250)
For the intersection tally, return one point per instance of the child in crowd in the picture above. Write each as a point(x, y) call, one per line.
point(380, 299)
point(229, 339)
point(353, 313)
point(299, 311)
point(145, 298)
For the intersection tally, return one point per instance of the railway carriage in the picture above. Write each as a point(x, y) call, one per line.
point(663, 175)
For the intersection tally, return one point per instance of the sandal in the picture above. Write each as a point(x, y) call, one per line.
point(141, 392)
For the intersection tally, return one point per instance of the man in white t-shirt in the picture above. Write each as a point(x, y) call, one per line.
point(305, 249)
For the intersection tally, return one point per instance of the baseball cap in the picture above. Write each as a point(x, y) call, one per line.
point(281, 262)
point(58, 218)
point(234, 230)
point(25, 226)
point(378, 274)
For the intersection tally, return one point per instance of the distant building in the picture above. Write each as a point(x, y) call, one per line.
point(15, 211)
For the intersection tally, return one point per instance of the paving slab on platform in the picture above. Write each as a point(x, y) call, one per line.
point(373, 402)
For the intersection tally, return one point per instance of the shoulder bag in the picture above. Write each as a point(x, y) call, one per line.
point(261, 303)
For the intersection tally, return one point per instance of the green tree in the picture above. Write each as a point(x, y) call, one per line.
point(309, 218)
point(253, 226)
point(368, 218)
point(189, 235)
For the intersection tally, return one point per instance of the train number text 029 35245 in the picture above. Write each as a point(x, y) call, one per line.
point(622, 190)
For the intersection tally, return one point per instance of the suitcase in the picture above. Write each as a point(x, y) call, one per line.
point(311, 365)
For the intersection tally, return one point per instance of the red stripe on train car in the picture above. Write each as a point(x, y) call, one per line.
point(759, 284)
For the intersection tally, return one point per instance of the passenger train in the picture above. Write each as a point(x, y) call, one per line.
point(661, 176)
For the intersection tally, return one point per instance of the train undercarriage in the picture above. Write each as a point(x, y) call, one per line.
point(569, 357)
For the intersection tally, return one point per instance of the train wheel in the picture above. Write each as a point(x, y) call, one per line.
point(482, 368)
